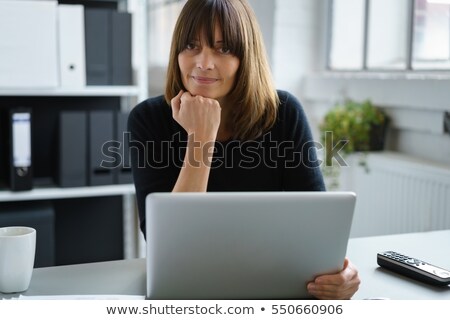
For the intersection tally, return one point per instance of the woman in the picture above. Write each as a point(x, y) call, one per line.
point(222, 126)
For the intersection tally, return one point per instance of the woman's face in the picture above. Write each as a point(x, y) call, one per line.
point(208, 72)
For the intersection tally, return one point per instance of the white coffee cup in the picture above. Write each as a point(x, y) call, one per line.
point(17, 250)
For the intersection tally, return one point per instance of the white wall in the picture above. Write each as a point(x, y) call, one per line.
point(299, 49)
point(292, 31)
point(297, 42)
point(265, 13)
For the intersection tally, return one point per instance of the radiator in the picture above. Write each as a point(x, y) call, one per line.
point(398, 194)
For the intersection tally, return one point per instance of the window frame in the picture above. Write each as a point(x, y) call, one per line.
point(409, 45)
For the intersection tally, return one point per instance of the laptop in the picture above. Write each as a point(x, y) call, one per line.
point(244, 245)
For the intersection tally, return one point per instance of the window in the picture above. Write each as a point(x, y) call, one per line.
point(387, 40)
point(431, 35)
point(389, 35)
point(347, 40)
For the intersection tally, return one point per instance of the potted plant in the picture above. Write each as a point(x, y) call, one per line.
point(351, 127)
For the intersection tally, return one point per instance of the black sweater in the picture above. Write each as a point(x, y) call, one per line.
point(283, 159)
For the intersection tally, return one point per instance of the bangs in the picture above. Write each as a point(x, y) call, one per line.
point(253, 94)
point(201, 19)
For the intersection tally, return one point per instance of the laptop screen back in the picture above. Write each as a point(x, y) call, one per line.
point(244, 245)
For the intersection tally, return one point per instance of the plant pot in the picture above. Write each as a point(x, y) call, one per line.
point(377, 137)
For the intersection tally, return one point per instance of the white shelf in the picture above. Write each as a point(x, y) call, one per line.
point(89, 91)
point(64, 193)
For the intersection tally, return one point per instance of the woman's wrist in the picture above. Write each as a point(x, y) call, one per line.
point(200, 150)
point(194, 174)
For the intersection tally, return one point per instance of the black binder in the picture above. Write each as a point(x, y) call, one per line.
point(98, 45)
point(121, 48)
point(123, 169)
point(72, 171)
point(4, 148)
point(20, 158)
point(101, 139)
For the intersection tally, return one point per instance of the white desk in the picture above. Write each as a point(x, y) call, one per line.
point(432, 247)
point(127, 277)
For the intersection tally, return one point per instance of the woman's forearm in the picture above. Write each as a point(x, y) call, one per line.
point(194, 174)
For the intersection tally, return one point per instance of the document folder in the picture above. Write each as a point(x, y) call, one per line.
point(4, 148)
point(72, 171)
point(72, 63)
point(121, 48)
point(98, 46)
point(123, 169)
point(28, 44)
point(101, 160)
point(20, 165)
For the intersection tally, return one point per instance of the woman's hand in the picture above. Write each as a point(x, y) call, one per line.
point(197, 115)
point(200, 117)
point(342, 285)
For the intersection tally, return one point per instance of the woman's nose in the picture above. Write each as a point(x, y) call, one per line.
point(205, 59)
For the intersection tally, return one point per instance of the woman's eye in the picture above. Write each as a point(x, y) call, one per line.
point(224, 50)
point(190, 46)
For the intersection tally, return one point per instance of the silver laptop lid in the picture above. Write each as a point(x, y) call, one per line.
point(250, 245)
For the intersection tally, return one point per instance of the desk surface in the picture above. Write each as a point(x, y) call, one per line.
point(432, 247)
point(127, 277)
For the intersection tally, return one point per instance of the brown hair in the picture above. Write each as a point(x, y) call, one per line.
point(254, 96)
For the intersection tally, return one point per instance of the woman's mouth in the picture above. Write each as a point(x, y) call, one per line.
point(204, 80)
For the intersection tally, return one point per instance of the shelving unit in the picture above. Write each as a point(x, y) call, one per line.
point(123, 96)
point(67, 193)
point(90, 91)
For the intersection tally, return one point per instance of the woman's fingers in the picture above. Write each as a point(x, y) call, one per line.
point(175, 103)
point(197, 115)
point(342, 285)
